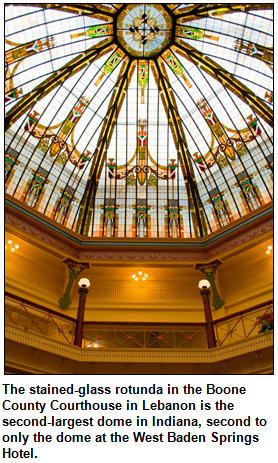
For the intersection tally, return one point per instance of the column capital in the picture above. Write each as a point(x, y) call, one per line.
point(210, 267)
point(76, 266)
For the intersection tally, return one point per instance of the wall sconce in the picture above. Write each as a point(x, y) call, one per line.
point(10, 247)
point(204, 286)
point(269, 250)
point(84, 284)
point(140, 276)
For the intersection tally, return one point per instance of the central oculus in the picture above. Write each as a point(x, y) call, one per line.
point(144, 30)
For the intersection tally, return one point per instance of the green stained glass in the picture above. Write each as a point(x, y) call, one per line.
point(139, 120)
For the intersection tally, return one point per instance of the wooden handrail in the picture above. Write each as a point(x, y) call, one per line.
point(145, 323)
point(241, 312)
point(38, 306)
point(67, 317)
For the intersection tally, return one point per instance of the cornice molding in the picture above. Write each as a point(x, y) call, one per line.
point(210, 356)
point(80, 247)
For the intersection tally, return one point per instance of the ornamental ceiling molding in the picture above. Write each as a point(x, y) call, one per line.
point(196, 249)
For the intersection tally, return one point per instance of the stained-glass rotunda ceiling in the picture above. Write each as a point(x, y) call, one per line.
point(139, 120)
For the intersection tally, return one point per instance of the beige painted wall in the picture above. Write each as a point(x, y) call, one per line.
point(170, 294)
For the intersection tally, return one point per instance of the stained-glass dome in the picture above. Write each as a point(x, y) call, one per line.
point(139, 120)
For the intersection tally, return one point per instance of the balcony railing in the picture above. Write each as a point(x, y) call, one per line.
point(145, 335)
point(38, 319)
point(242, 325)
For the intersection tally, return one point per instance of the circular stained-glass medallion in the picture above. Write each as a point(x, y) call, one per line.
point(144, 29)
point(109, 215)
point(219, 204)
point(141, 215)
point(65, 202)
point(37, 184)
point(247, 188)
point(8, 166)
point(174, 215)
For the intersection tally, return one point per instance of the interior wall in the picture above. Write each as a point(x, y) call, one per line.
point(34, 280)
point(170, 293)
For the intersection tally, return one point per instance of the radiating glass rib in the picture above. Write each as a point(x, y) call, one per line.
point(244, 93)
point(178, 78)
point(191, 186)
point(92, 183)
point(60, 105)
point(107, 114)
point(84, 131)
point(234, 62)
point(245, 145)
point(188, 94)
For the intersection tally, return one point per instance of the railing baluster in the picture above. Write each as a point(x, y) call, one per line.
point(140, 336)
point(243, 325)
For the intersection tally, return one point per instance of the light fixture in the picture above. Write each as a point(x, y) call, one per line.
point(140, 276)
point(269, 250)
point(10, 246)
point(84, 283)
point(204, 284)
point(95, 345)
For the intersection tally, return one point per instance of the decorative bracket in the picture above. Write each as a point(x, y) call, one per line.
point(75, 268)
point(209, 271)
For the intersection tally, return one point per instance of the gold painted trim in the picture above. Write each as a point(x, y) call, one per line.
point(135, 355)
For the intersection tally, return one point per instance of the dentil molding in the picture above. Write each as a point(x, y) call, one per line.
point(37, 343)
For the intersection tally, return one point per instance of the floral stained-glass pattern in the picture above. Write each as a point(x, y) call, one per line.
point(139, 120)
